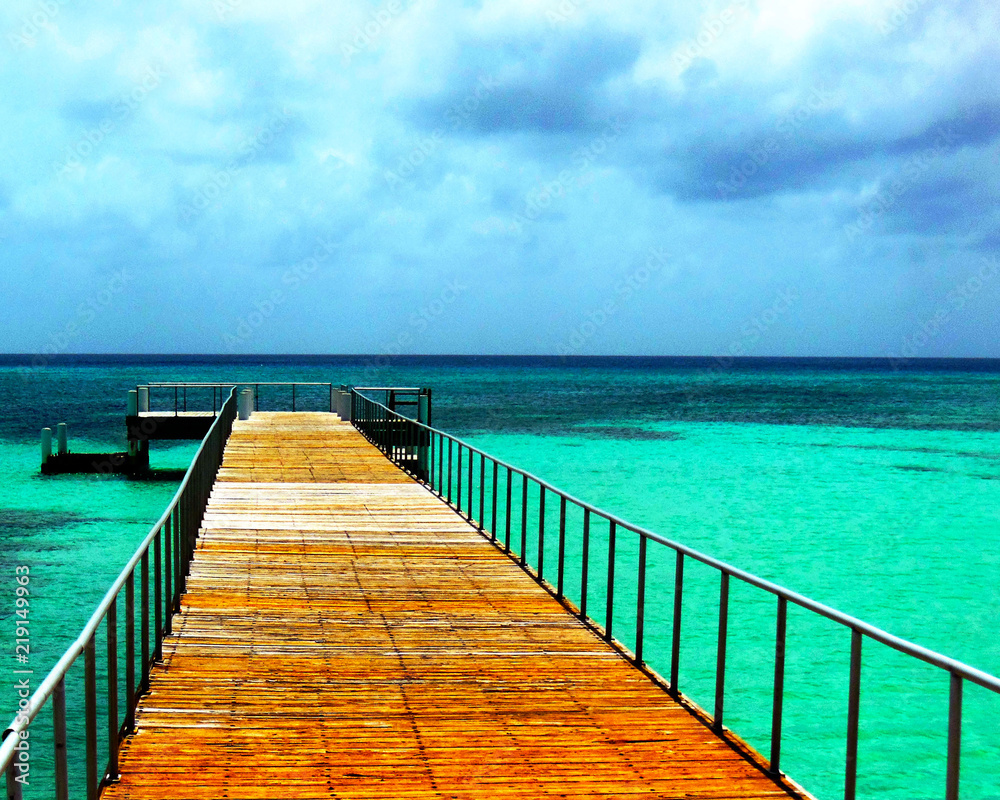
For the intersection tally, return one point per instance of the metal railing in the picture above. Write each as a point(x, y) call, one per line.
point(170, 545)
point(180, 392)
point(389, 430)
point(402, 396)
point(435, 457)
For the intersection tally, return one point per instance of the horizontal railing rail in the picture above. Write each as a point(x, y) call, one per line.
point(396, 397)
point(410, 389)
point(170, 546)
point(180, 391)
point(436, 458)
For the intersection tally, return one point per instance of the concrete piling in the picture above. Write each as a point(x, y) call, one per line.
point(244, 404)
point(46, 444)
point(133, 411)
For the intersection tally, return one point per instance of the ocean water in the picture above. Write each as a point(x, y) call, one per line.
point(865, 486)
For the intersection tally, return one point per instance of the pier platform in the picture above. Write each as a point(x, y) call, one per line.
point(346, 634)
point(155, 425)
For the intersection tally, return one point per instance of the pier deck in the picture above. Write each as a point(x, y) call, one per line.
point(345, 634)
point(155, 425)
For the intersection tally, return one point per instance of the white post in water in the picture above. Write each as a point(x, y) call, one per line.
point(62, 438)
point(143, 399)
point(133, 411)
point(244, 403)
point(46, 444)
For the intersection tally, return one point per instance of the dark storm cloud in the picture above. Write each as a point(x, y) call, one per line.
point(540, 84)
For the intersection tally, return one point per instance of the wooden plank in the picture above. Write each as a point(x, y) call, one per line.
point(345, 634)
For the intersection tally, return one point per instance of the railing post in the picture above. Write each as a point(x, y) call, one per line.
point(510, 486)
point(609, 613)
point(432, 448)
point(468, 515)
point(130, 653)
point(425, 453)
point(13, 786)
point(440, 449)
point(423, 417)
point(482, 491)
point(158, 594)
point(193, 517)
point(112, 629)
point(720, 653)
point(406, 440)
point(458, 488)
point(640, 610)
point(144, 632)
point(184, 538)
point(779, 685)
point(853, 716)
point(172, 566)
point(562, 547)
point(954, 737)
point(584, 563)
point(180, 548)
point(541, 531)
point(90, 722)
point(524, 519)
point(59, 740)
point(175, 580)
point(472, 458)
point(493, 502)
point(675, 649)
point(449, 467)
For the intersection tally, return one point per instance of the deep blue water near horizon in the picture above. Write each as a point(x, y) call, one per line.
point(868, 485)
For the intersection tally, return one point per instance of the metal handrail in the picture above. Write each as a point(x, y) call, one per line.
point(408, 389)
point(420, 449)
point(228, 384)
point(180, 390)
point(172, 540)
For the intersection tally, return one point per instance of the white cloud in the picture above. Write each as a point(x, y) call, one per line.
point(698, 92)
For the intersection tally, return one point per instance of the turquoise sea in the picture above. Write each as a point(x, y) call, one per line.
point(869, 486)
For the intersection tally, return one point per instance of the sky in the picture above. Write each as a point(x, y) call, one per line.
point(755, 177)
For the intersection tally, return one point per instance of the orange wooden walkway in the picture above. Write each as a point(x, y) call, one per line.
point(345, 634)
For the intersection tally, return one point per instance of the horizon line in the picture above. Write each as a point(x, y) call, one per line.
point(573, 356)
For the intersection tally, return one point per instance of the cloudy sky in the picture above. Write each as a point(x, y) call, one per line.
point(760, 177)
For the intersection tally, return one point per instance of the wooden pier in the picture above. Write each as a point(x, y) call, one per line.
point(346, 634)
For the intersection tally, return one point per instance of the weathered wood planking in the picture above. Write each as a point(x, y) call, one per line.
point(346, 635)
